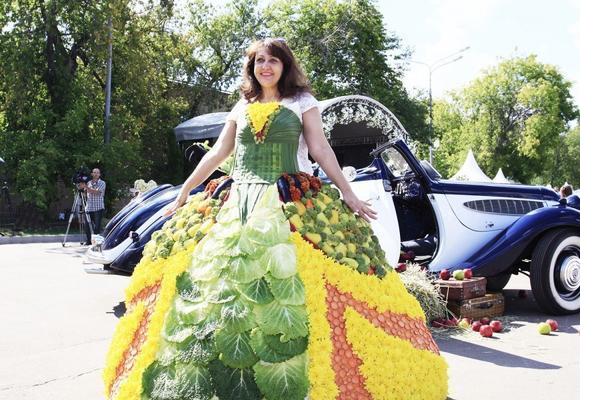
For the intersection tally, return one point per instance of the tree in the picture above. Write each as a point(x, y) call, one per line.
point(567, 160)
point(345, 49)
point(169, 65)
point(512, 117)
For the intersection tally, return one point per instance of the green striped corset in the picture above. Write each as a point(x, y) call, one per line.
point(265, 162)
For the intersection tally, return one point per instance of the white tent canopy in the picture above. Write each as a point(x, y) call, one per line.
point(470, 171)
point(500, 178)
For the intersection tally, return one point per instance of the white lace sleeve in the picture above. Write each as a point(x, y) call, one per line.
point(235, 111)
point(306, 102)
point(303, 160)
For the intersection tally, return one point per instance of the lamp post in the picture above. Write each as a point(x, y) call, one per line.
point(432, 67)
point(108, 84)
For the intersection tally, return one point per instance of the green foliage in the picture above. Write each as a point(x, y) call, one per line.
point(170, 62)
point(568, 160)
point(513, 117)
point(345, 49)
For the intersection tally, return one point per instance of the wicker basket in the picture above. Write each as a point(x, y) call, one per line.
point(490, 305)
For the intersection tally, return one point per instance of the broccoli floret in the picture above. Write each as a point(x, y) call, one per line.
point(291, 208)
point(163, 252)
point(312, 213)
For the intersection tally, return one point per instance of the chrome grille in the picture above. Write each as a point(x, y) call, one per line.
point(504, 206)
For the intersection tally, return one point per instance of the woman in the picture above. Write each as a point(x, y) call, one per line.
point(273, 288)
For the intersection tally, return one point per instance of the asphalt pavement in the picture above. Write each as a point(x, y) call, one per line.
point(56, 323)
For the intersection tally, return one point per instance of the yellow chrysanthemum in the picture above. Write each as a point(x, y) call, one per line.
point(377, 349)
point(259, 117)
point(167, 274)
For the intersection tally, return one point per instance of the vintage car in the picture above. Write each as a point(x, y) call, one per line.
point(495, 229)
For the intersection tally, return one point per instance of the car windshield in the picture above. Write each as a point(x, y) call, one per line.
point(395, 161)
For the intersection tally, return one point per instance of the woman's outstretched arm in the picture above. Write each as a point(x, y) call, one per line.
point(321, 151)
point(207, 165)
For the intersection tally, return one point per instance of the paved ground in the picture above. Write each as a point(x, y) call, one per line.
point(56, 322)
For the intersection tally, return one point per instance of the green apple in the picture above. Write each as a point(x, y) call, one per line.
point(459, 274)
point(464, 323)
point(544, 328)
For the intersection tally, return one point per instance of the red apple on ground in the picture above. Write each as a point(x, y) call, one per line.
point(476, 326)
point(486, 331)
point(553, 324)
point(468, 273)
point(401, 267)
point(484, 321)
point(445, 275)
point(496, 326)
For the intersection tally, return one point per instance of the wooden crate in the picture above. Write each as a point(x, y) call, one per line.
point(491, 305)
point(462, 290)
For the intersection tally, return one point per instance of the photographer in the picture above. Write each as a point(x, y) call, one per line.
point(95, 189)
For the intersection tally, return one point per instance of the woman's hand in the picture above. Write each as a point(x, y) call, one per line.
point(360, 207)
point(179, 201)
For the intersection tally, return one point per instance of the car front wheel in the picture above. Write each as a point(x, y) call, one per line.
point(555, 272)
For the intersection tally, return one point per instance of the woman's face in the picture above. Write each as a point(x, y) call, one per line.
point(267, 69)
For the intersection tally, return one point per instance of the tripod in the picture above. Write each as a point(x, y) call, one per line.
point(79, 204)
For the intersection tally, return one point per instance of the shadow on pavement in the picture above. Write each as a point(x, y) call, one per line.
point(71, 249)
point(525, 309)
point(482, 353)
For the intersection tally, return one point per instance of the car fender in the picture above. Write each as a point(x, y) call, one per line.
point(129, 207)
point(500, 254)
point(385, 226)
point(129, 258)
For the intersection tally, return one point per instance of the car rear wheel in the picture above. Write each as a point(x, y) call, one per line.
point(555, 272)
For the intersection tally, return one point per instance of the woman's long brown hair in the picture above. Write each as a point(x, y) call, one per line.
point(293, 81)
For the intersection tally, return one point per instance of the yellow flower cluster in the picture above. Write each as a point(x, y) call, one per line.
point(167, 271)
point(120, 344)
point(259, 117)
point(148, 272)
point(373, 345)
point(392, 367)
point(320, 371)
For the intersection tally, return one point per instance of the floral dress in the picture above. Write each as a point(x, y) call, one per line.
point(270, 288)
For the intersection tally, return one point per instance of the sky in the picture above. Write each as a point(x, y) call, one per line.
point(493, 29)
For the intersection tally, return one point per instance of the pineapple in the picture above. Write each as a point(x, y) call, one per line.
point(295, 219)
point(313, 237)
point(300, 206)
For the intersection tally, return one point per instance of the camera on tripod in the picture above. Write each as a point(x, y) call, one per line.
point(78, 209)
point(81, 178)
